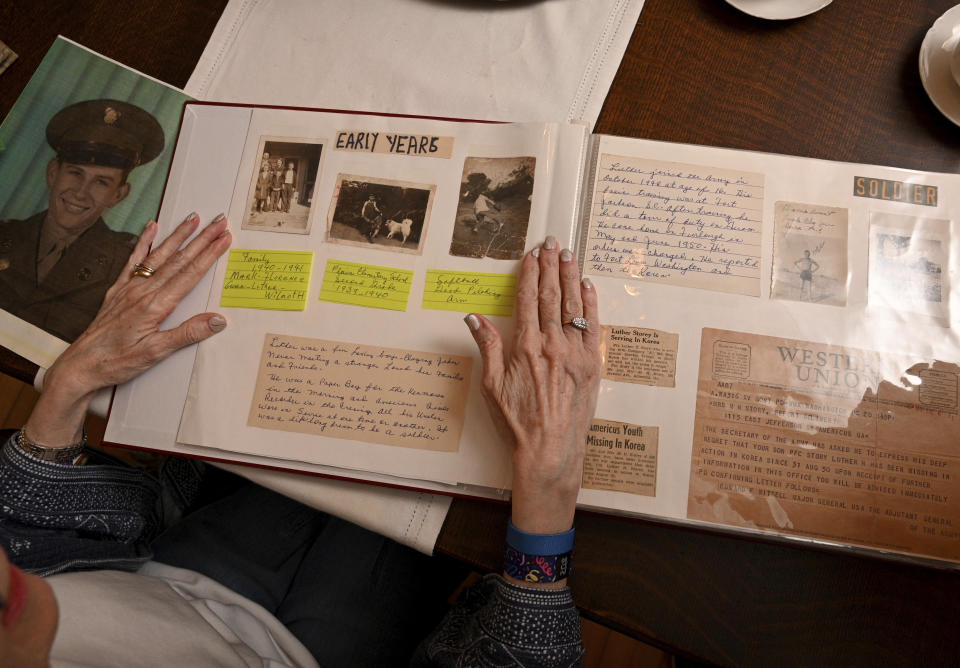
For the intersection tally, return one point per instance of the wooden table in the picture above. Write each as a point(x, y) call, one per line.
point(841, 84)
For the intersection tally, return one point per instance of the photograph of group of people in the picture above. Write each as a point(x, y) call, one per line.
point(281, 189)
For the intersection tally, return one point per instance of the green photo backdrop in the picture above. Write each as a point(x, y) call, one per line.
point(68, 74)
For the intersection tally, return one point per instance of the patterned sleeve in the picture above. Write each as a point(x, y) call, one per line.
point(57, 517)
point(496, 623)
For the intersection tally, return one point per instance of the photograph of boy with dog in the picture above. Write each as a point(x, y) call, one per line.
point(281, 186)
point(380, 213)
point(494, 208)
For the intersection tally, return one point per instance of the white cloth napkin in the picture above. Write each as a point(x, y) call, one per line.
point(505, 61)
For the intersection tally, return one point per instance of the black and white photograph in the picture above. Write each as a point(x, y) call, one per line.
point(493, 211)
point(908, 262)
point(282, 184)
point(380, 213)
point(810, 253)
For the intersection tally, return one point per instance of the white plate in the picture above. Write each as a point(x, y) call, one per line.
point(935, 53)
point(779, 9)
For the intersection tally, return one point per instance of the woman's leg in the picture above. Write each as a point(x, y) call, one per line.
point(364, 600)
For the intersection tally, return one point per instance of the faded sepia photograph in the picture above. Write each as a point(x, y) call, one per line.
point(494, 208)
point(810, 253)
point(908, 263)
point(281, 185)
point(380, 213)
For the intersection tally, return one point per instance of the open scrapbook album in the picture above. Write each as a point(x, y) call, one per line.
point(780, 347)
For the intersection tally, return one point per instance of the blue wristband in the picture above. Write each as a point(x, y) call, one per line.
point(537, 543)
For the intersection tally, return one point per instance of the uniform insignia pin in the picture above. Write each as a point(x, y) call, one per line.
point(84, 274)
point(110, 115)
point(4, 264)
point(101, 260)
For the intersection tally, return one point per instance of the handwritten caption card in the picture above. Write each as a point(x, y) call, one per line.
point(668, 222)
point(366, 285)
point(362, 393)
point(267, 279)
point(470, 292)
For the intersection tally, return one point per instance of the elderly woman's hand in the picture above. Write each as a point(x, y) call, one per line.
point(543, 394)
point(125, 338)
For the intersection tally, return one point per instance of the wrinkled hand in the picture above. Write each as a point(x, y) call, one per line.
point(543, 394)
point(125, 338)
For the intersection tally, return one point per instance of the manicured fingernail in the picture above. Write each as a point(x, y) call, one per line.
point(535, 252)
point(550, 243)
point(192, 216)
point(586, 283)
point(473, 322)
point(565, 255)
point(219, 217)
point(217, 324)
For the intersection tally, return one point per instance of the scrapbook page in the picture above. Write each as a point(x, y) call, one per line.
point(770, 342)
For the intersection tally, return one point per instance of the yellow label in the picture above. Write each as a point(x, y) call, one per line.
point(267, 279)
point(470, 292)
point(366, 285)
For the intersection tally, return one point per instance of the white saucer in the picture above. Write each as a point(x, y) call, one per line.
point(935, 53)
point(779, 9)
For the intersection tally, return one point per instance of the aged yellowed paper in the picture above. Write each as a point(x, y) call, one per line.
point(675, 223)
point(810, 253)
point(640, 355)
point(827, 442)
point(362, 393)
point(621, 457)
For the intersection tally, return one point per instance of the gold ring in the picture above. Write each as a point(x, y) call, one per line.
point(140, 269)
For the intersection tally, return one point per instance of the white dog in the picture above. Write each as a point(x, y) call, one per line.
point(400, 229)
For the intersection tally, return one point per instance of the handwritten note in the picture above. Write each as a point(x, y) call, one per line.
point(675, 223)
point(361, 393)
point(366, 285)
point(267, 279)
point(470, 292)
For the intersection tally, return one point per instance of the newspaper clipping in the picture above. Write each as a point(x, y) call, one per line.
point(639, 355)
point(621, 457)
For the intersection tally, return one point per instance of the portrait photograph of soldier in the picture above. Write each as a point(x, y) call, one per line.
point(79, 179)
point(282, 184)
point(494, 208)
point(380, 213)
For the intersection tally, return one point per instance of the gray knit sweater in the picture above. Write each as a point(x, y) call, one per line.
point(57, 518)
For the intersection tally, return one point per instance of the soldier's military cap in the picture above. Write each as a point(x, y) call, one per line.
point(109, 133)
